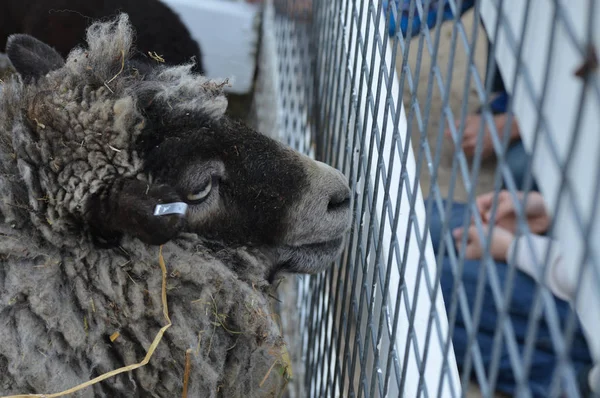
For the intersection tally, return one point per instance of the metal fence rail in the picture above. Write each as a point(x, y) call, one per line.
point(406, 311)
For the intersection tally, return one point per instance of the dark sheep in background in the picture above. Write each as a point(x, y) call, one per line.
point(88, 147)
point(62, 25)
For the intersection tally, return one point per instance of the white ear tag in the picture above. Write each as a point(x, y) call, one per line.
point(170, 208)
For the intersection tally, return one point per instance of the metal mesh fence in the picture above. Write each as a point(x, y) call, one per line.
point(437, 139)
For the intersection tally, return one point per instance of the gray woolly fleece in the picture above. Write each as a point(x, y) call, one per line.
point(65, 137)
point(61, 298)
point(6, 68)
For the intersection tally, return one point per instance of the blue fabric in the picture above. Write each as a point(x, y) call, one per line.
point(500, 103)
point(403, 10)
point(517, 160)
point(517, 157)
point(544, 359)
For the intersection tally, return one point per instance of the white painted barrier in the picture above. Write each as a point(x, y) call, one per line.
point(228, 34)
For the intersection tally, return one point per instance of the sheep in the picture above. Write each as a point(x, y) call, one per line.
point(89, 146)
point(160, 33)
point(6, 68)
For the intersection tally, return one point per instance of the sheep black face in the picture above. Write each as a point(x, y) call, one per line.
point(119, 137)
point(245, 188)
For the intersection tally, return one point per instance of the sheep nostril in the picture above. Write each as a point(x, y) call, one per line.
point(339, 201)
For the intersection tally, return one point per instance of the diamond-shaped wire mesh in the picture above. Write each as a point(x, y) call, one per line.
point(444, 115)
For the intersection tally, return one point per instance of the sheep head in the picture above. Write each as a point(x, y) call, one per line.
point(100, 139)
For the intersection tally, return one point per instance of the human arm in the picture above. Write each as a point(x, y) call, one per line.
point(471, 132)
point(529, 251)
point(538, 218)
point(499, 243)
point(525, 253)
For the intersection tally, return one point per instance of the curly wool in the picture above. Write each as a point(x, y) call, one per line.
point(58, 309)
point(61, 298)
point(74, 131)
point(6, 68)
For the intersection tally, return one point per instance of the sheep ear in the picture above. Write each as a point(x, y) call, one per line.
point(31, 57)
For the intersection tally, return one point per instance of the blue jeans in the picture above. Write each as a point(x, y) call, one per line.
point(517, 159)
point(544, 358)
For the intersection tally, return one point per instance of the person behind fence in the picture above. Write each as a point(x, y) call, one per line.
point(504, 243)
point(517, 158)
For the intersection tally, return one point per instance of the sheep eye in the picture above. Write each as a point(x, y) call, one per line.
point(199, 196)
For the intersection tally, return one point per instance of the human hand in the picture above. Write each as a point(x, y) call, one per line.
point(472, 125)
point(500, 242)
point(538, 218)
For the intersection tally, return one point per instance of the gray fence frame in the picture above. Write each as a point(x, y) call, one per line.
point(339, 100)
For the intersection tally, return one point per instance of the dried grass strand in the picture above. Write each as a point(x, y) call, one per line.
point(186, 373)
point(106, 84)
point(268, 373)
point(128, 368)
